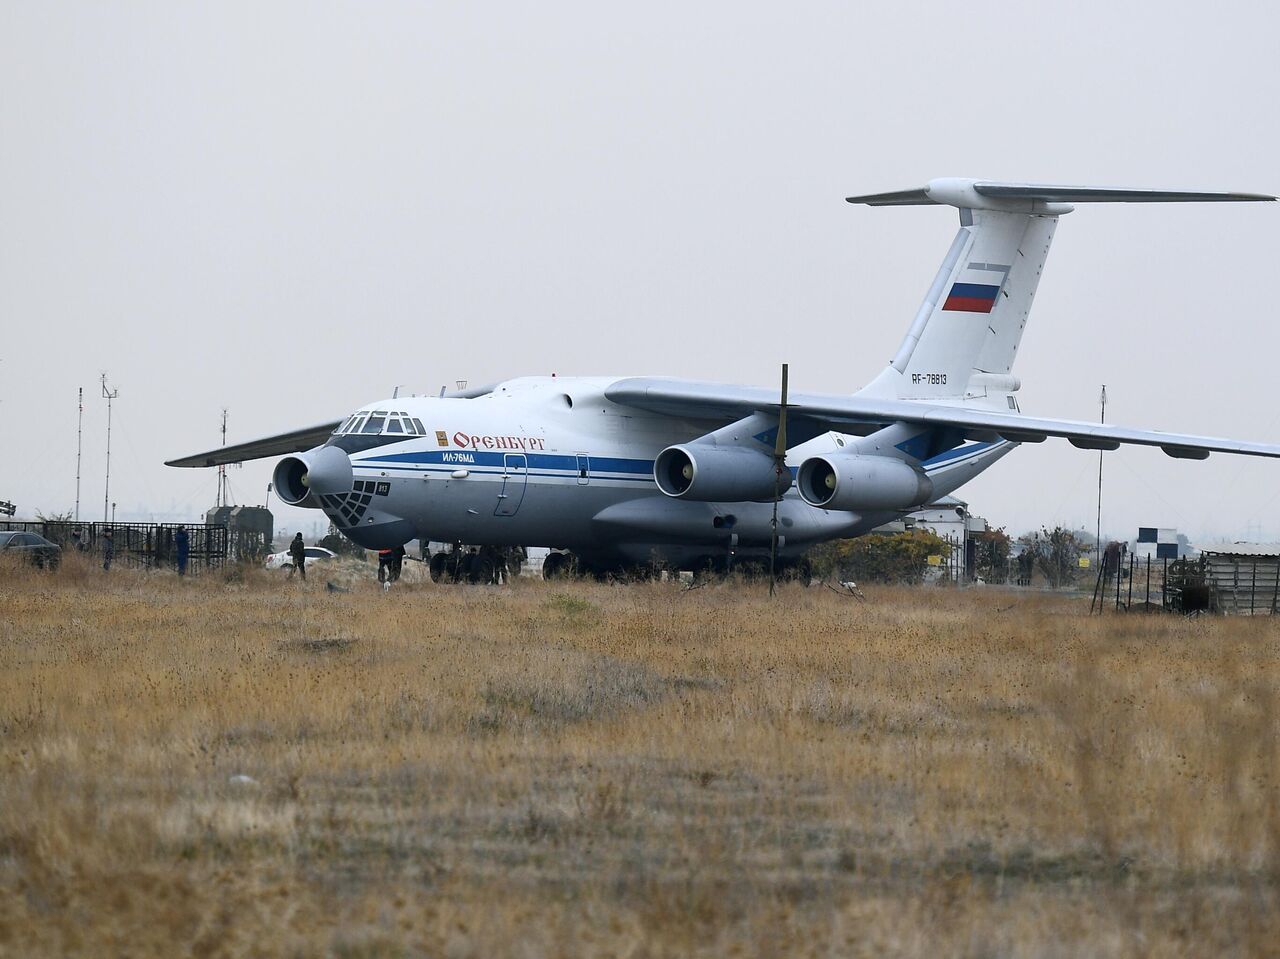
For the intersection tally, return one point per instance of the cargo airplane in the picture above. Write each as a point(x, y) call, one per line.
point(623, 472)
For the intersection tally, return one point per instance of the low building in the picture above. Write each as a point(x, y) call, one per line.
point(949, 519)
point(1243, 578)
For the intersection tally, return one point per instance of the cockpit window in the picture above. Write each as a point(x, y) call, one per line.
point(381, 422)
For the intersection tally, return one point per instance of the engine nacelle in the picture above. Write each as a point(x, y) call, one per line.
point(852, 482)
point(324, 470)
point(718, 474)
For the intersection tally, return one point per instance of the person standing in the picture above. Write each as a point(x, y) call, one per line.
point(384, 566)
point(108, 550)
point(182, 543)
point(298, 552)
point(397, 562)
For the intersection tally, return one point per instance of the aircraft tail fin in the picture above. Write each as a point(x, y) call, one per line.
point(970, 325)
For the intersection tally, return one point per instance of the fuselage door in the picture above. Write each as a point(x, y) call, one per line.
point(584, 469)
point(515, 475)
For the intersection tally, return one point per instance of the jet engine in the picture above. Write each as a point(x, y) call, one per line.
point(324, 470)
point(718, 474)
point(852, 482)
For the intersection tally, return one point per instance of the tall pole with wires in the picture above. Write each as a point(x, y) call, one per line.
point(79, 449)
point(109, 396)
point(1098, 530)
point(222, 469)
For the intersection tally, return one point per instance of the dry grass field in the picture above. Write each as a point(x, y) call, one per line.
point(242, 765)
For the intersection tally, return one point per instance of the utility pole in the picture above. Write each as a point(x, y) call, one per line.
point(79, 449)
point(1098, 531)
point(221, 499)
point(109, 396)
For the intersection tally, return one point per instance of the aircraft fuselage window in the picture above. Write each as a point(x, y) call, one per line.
point(374, 425)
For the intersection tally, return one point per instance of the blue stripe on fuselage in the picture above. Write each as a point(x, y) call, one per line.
point(455, 459)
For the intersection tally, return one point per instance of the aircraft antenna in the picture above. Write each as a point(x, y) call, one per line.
point(779, 465)
point(109, 396)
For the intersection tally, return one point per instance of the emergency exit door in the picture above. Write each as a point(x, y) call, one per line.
point(515, 476)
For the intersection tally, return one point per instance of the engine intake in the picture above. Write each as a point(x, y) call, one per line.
point(321, 471)
point(718, 474)
point(852, 482)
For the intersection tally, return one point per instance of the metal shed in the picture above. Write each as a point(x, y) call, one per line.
point(1244, 578)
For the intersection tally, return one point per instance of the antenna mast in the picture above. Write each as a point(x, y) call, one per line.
point(222, 470)
point(79, 449)
point(1098, 531)
point(109, 396)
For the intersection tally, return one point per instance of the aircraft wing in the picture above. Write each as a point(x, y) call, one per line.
point(855, 414)
point(279, 445)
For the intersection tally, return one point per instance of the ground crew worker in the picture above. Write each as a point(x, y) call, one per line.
point(108, 549)
point(397, 562)
point(182, 543)
point(298, 553)
point(384, 565)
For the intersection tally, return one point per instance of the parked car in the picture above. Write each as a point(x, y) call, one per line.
point(312, 553)
point(32, 547)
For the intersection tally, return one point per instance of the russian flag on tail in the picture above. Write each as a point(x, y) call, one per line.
point(971, 298)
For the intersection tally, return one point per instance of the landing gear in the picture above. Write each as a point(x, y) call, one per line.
point(557, 566)
point(481, 569)
point(482, 565)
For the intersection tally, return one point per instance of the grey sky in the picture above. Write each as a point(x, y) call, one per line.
point(288, 209)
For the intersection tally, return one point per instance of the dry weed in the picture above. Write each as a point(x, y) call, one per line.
point(248, 765)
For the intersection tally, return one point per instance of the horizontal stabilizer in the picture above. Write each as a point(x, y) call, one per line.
point(1032, 197)
point(1098, 194)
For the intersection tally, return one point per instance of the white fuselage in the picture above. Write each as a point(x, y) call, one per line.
point(546, 461)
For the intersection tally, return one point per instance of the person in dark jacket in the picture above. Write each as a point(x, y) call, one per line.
point(108, 549)
point(385, 565)
point(397, 562)
point(298, 553)
point(182, 545)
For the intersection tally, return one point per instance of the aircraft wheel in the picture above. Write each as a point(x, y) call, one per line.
point(481, 570)
point(553, 566)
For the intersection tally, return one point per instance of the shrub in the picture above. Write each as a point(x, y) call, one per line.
point(897, 558)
